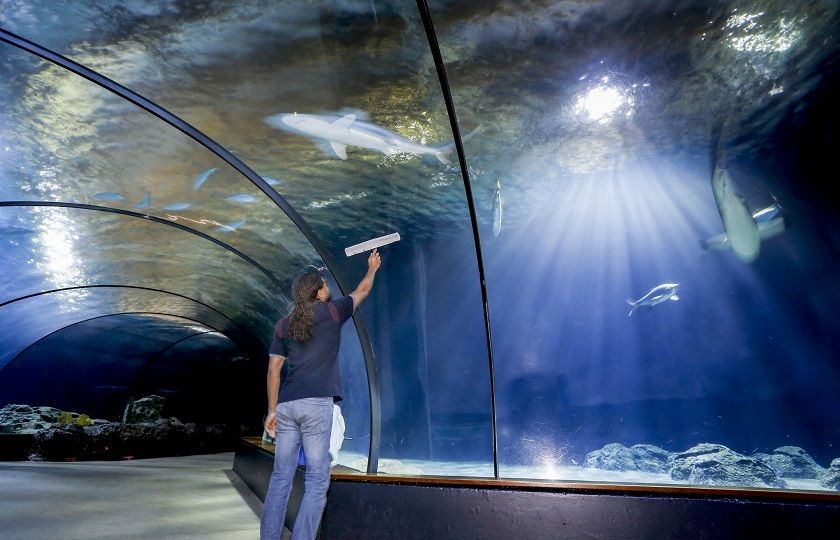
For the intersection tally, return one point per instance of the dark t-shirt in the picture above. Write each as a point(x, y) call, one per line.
point(311, 368)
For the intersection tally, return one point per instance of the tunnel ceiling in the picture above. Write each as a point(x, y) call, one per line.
point(327, 57)
point(77, 142)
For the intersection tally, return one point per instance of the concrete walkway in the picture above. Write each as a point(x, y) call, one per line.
point(179, 497)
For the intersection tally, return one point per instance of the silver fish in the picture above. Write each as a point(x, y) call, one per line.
point(273, 181)
point(497, 209)
point(231, 226)
point(657, 295)
point(174, 207)
point(107, 196)
point(147, 200)
point(202, 177)
point(246, 198)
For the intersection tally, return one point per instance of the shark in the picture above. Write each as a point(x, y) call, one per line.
point(657, 295)
point(348, 130)
point(767, 220)
point(740, 227)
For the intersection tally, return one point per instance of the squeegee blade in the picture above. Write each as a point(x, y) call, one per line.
point(372, 243)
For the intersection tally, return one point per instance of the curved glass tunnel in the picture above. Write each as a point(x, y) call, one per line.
point(662, 159)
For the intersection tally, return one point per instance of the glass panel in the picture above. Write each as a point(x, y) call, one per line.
point(363, 67)
point(598, 124)
point(63, 139)
point(359, 60)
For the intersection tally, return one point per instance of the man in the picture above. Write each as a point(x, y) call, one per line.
point(302, 411)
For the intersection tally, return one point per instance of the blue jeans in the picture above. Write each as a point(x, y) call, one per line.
point(307, 421)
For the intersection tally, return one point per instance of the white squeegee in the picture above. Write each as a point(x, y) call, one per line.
point(373, 243)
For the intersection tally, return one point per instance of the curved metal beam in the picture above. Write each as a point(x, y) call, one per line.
point(244, 331)
point(155, 357)
point(42, 338)
point(153, 219)
point(423, 8)
point(262, 185)
point(113, 286)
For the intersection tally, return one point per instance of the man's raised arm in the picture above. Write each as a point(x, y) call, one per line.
point(363, 288)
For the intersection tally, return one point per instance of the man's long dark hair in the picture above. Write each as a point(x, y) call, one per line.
point(304, 297)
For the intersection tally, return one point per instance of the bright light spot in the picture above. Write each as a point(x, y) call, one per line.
point(602, 103)
point(776, 90)
point(548, 471)
point(747, 33)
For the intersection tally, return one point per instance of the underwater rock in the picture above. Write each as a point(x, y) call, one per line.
point(791, 462)
point(831, 480)
point(639, 457)
point(144, 410)
point(114, 440)
point(25, 419)
point(68, 440)
point(716, 465)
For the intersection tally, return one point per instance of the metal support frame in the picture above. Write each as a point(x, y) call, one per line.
point(423, 8)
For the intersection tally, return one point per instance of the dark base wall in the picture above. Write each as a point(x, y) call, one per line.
point(367, 510)
point(406, 509)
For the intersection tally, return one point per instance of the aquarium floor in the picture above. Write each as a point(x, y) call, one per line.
point(177, 497)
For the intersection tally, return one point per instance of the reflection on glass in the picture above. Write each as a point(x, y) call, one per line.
point(78, 247)
point(56, 242)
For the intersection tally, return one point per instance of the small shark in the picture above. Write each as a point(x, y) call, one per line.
point(347, 130)
point(657, 295)
point(497, 209)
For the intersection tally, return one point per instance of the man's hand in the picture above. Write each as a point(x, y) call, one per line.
point(271, 425)
point(363, 289)
point(374, 260)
